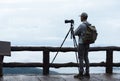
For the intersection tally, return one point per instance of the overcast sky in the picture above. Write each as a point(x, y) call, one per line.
point(41, 22)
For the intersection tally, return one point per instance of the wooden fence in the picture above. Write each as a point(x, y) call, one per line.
point(46, 58)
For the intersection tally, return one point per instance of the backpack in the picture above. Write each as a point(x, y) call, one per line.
point(90, 34)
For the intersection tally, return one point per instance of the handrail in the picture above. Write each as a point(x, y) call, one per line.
point(63, 49)
point(46, 64)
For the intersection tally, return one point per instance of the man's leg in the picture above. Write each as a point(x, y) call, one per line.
point(86, 60)
point(1, 65)
point(81, 58)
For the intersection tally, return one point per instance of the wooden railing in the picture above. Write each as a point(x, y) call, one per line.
point(46, 58)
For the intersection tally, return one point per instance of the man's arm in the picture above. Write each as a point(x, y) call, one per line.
point(78, 31)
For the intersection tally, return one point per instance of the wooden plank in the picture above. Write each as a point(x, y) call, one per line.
point(54, 65)
point(63, 49)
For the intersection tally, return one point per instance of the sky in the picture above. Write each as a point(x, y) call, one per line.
point(41, 22)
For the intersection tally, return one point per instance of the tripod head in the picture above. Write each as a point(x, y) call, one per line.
point(71, 27)
point(70, 21)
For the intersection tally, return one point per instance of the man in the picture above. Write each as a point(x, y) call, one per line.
point(82, 48)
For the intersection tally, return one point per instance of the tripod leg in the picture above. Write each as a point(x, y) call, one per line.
point(75, 45)
point(61, 45)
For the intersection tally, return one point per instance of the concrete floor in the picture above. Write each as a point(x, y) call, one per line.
point(93, 77)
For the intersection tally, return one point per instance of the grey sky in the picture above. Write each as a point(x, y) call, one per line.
point(41, 22)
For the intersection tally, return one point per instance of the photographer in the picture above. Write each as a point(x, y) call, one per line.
point(82, 48)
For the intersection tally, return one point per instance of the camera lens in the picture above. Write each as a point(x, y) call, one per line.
point(69, 21)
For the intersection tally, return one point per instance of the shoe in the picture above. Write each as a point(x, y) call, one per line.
point(87, 75)
point(78, 76)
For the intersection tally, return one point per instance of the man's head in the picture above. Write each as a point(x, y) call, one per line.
point(84, 16)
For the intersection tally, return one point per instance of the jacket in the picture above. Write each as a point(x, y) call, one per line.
point(80, 31)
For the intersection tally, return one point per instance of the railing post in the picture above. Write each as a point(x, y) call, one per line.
point(109, 61)
point(1, 65)
point(45, 62)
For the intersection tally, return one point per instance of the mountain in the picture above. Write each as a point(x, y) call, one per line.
point(25, 70)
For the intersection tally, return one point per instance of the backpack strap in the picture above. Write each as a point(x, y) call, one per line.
point(87, 24)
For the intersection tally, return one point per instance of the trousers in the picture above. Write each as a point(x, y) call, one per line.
point(83, 57)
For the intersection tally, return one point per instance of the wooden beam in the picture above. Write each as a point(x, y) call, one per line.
point(109, 61)
point(45, 62)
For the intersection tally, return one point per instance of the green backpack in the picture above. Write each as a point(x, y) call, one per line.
point(90, 34)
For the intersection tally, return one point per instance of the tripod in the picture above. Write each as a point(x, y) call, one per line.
point(74, 42)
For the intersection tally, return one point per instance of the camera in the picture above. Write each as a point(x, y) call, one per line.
point(69, 21)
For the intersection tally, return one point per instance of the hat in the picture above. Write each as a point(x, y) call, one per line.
point(84, 14)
